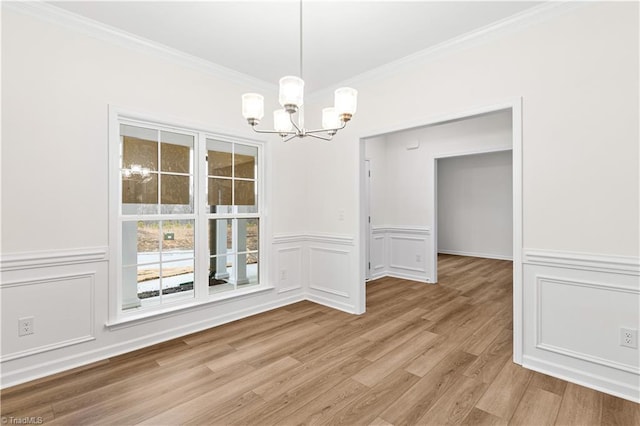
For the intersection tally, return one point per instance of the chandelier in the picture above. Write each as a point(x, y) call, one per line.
point(291, 99)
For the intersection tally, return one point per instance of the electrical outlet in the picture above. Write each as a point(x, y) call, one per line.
point(418, 258)
point(283, 274)
point(628, 338)
point(25, 326)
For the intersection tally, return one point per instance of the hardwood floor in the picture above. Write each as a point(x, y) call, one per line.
point(422, 354)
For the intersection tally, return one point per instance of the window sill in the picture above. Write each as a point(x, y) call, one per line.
point(169, 311)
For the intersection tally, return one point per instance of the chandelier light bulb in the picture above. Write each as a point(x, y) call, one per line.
point(346, 101)
point(330, 118)
point(291, 93)
point(253, 107)
point(282, 121)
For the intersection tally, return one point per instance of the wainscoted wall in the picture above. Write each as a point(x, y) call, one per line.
point(66, 292)
point(320, 265)
point(402, 252)
point(70, 277)
point(576, 306)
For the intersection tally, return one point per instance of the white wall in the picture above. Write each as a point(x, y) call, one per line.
point(575, 66)
point(475, 205)
point(57, 85)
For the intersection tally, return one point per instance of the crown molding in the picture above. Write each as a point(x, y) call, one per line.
point(95, 29)
point(506, 26)
point(100, 31)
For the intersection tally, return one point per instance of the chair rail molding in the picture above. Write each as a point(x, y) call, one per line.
point(585, 261)
point(44, 259)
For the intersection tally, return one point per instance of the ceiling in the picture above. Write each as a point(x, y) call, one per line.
point(341, 39)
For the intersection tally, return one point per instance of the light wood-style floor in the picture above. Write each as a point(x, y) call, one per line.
point(422, 354)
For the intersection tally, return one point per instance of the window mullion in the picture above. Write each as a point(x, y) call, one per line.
point(201, 275)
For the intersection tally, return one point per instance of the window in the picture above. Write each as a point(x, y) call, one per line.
point(233, 221)
point(185, 216)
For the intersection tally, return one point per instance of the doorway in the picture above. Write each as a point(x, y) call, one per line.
point(513, 110)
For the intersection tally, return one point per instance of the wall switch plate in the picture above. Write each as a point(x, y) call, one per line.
point(628, 338)
point(25, 326)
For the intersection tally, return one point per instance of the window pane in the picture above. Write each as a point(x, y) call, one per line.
point(246, 272)
point(177, 280)
point(139, 153)
point(177, 240)
point(138, 189)
point(245, 161)
point(219, 192)
point(250, 229)
point(245, 193)
point(130, 297)
point(176, 190)
point(175, 158)
point(140, 242)
point(220, 269)
point(219, 236)
point(249, 274)
point(148, 281)
point(219, 158)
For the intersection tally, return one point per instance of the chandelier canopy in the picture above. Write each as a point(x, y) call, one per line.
point(291, 99)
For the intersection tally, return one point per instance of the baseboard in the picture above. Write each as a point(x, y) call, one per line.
point(473, 254)
point(331, 303)
point(590, 380)
point(420, 279)
point(60, 365)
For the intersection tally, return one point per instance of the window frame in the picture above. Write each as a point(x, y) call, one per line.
point(200, 215)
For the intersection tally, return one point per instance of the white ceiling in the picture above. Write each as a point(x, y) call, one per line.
point(341, 39)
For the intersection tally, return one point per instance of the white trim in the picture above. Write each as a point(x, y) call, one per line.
point(402, 229)
point(583, 261)
point(598, 382)
point(119, 37)
point(288, 289)
point(474, 254)
point(330, 239)
point(179, 309)
point(409, 277)
point(589, 358)
point(315, 238)
point(46, 348)
point(44, 259)
point(332, 303)
point(329, 290)
point(288, 238)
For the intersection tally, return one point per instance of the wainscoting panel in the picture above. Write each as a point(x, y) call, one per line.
point(55, 325)
point(328, 269)
point(378, 263)
point(332, 268)
point(401, 251)
point(289, 269)
point(575, 306)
